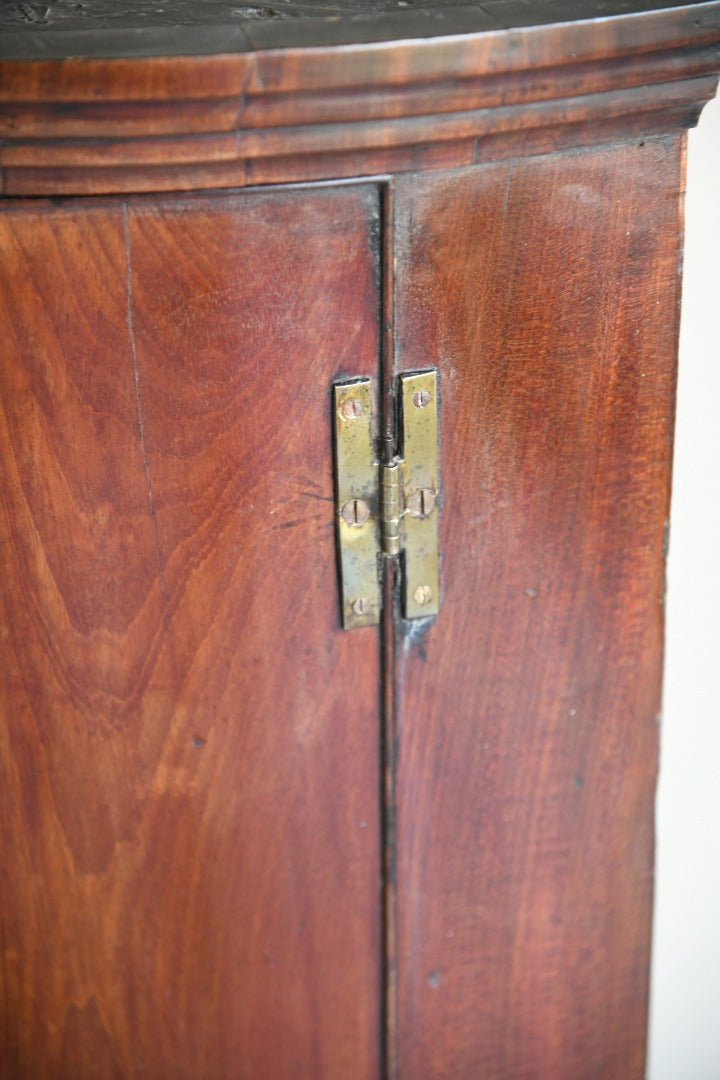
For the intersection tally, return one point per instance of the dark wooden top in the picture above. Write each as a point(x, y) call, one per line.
point(37, 29)
point(100, 98)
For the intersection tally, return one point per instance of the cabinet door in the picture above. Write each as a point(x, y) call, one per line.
point(527, 714)
point(189, 744)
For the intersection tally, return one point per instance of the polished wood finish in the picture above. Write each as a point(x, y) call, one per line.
point(189, 756)
point(527, 715)
point(288, 102)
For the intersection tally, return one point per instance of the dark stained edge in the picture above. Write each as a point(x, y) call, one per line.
point(192, 33)
point(131, 42)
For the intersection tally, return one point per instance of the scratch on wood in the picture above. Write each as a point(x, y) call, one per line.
point(508, 182)
point(293, 523)
point(136, 380)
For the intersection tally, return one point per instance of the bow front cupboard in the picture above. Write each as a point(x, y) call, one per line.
point(240, 841)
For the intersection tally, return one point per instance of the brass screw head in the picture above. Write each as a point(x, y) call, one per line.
point(352, 408)
point(421, 503)
point(421, 398)
point(423, 594)
point(355, 512)
point(361, 606)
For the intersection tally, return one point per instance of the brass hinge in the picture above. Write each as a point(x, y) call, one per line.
point(387, 509)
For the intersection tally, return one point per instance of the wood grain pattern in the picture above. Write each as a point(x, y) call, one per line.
point(547, 292)
point(319, 110)
point(190, 830)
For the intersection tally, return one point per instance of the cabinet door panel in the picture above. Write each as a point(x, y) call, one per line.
point(189, 741)
point(547, 293)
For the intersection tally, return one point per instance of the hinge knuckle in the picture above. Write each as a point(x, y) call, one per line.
point(390, 508)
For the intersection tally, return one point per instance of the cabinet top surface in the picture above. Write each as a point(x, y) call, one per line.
point(56, 29)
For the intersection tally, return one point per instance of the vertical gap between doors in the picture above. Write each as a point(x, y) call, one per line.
point(390, 569)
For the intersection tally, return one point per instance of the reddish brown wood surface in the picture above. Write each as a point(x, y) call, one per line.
point(189, 754)
point(547, 293)
point(319, 103)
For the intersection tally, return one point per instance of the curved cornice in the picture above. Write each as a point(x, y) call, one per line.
point(323, 112)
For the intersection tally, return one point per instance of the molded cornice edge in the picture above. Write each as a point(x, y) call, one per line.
point(89, 125)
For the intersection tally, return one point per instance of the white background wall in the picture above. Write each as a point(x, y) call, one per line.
point(685, 1001)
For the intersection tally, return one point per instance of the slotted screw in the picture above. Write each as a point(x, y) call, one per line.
point(421, 398)
point(355, 512)
point(421, 503)
point(361, 606)
point(423, 594)
point(352, 408)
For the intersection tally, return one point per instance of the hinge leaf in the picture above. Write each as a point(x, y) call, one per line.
point(356, 473)
point(419, 399)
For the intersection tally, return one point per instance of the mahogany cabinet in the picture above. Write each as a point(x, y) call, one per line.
point(238, 840)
